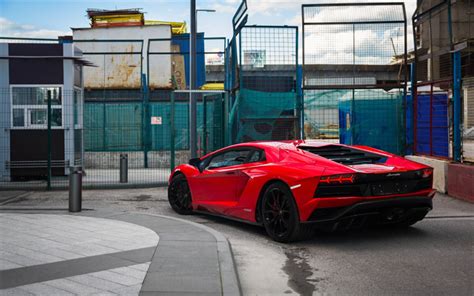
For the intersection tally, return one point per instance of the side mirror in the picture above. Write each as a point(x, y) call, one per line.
point(195, 162)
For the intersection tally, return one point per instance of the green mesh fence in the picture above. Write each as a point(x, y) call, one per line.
point(356, 117)
point(160, 134)
point(119, 126)
point(266, 115)
point(113, 126)
point(321, 113)
point(210, 121)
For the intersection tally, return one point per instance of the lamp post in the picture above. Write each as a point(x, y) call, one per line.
point(192, 77)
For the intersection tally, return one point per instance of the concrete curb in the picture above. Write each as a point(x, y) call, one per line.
point(229, 280)
point(229, 276)
point(14, 198)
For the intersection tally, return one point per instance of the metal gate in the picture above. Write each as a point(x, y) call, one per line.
point(265, 102)
point(443, 66)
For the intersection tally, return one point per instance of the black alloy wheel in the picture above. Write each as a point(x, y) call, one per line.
point(280, 214)
point(179, 195)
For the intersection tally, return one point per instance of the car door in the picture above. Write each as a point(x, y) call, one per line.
point(216, 184)
point(255, 159)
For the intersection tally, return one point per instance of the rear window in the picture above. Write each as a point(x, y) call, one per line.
point(345, 155)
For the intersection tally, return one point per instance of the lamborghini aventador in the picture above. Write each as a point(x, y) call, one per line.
point(290, 187)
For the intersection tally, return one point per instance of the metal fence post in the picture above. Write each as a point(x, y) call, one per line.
point(192, 84)
point(172, 133)
point(226, 119)
point(300, 99)
point(75, 189)
point(50, 146)
point(204, 124)
point(105, 143)
point(457, 133)
point(146, 120)
point(123, 168)
point(223, 120)
point(409, 130)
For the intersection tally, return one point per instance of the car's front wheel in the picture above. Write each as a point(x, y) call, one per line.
point(179, 195)
point(280, 213)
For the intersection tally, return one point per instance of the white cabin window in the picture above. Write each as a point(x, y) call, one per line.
point(30, 106)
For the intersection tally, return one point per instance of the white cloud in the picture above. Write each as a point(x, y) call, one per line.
point(270, 6)
point(11, 29)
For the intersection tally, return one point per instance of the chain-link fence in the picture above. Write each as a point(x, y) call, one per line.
point(96, 134)
point(265, 105)
point(354, 73)
point(42, 131)
point(132, 106)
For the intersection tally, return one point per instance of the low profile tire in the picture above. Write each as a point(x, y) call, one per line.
point(280, 214)
point(179, 195)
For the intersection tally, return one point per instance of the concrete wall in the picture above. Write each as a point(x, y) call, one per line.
point(461, 181)
point(111, 160)
point(377, 72)
point(440, 167)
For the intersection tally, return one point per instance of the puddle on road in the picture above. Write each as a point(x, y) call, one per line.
point(142, 197)
point(299, 272)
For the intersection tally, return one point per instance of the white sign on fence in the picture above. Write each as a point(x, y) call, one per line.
point(156, 120)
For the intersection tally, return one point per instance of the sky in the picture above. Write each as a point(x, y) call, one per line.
point(50, 18)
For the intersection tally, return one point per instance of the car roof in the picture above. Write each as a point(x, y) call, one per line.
point(288, 144)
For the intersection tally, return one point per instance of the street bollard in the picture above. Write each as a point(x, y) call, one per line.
point(75, 189)
point(123, 168)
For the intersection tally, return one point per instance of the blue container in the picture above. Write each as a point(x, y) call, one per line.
point(432, 125)
point(183, 42)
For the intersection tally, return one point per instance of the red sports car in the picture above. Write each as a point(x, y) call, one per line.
point(291, 186)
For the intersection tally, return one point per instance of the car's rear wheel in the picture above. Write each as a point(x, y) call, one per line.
point(179, 195)
point(280, 213)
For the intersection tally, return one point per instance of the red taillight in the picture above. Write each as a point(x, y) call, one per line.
point(338, 179)
point(426, 173)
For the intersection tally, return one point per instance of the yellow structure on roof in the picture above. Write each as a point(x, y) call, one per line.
point(128, 17)
point(115, 18)
point(213, 86)
point(176, 27)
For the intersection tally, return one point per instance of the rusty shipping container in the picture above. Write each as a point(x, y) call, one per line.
point(120, 64)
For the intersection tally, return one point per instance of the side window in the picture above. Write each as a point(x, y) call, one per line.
point(229, 158)
point(257, 155)
point(30, 106)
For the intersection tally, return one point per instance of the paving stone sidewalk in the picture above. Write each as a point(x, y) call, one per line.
point(111, 253)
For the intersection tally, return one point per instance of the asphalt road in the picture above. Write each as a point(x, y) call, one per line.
point(435, 257)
